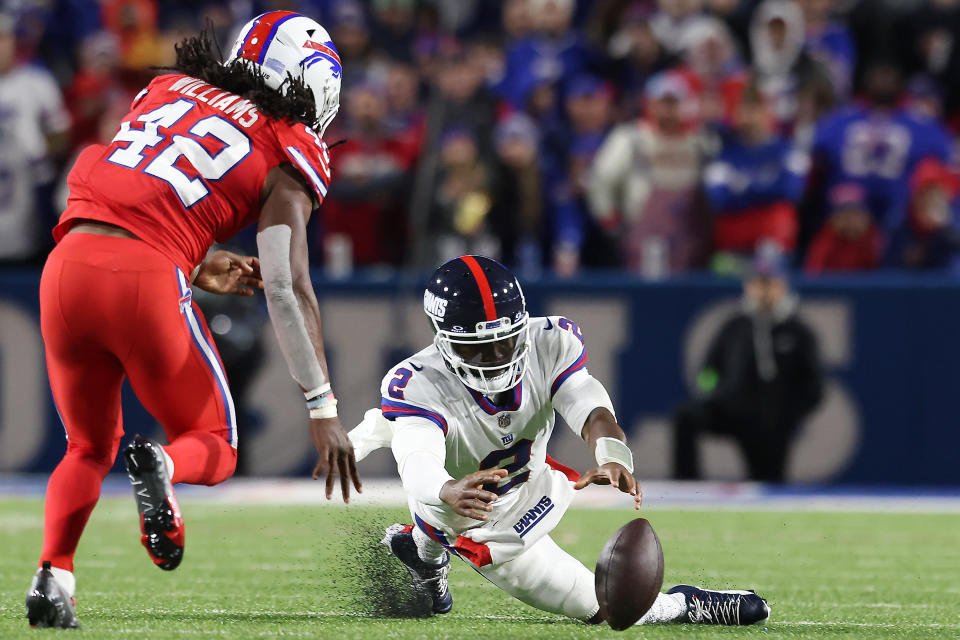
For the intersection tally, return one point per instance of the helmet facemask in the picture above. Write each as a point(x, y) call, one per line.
point(492, 359)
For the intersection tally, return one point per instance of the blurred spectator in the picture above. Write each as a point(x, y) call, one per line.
point(394, 30)
point(850, 240)
point(878, 145)
point(755, 182)
point(716, 74)
point(672, 19)
point(760, 380)
point(786, 73)
point(589, 106)
point(830, 43)
point(466, 103)
point(554, 49)
point(134, 23)
point(405, 116)
point(934, 33)
point(518, 200)
point(490, 58)
point(931, 237)
point(639, 55)
point(517, 19)
point(351, 35)
point(460, 217)
point(34, 131)
point(575, 237)
point(924, 98)
point(367, 201)
point(645, 183)
point(95, 86)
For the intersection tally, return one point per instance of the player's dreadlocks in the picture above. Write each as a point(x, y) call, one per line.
point(199, 56)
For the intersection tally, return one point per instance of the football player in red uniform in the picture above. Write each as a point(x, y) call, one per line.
point(203, 153)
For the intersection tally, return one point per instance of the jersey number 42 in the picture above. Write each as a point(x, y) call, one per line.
point(144, 133)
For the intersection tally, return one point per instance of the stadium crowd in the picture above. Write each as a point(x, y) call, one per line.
point(654, 135)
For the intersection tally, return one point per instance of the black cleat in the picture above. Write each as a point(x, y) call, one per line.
point(723, 607)
point(161, 527)
point(48, 605)
point(430, 579)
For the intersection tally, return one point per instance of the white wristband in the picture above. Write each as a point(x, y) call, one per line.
point(613, 450)
point(327, 410)
point(316, 392)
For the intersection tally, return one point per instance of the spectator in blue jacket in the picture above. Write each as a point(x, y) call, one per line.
point(554, 49)
point(754, 183)
point(878, 145)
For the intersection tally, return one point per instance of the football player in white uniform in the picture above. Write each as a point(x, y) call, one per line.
point(468, 420)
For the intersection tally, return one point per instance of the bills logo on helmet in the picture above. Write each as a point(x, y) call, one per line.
point(323, 52)
point(434, 305)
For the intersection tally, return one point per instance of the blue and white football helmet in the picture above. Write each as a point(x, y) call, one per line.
point(279, 43)
point(477, 308)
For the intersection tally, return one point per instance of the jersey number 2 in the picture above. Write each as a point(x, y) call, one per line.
point(234, 145)
point(518, 455)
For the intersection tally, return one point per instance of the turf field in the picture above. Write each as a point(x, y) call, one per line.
point(310, 572)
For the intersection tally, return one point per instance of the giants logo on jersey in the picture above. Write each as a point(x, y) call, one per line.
point(532, 517)
point(434, 306)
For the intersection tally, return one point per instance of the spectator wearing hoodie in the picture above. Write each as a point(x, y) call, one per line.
point(850, 240)
point(785, 72)
point(645, 183)
point(753, 185)
point(930, 239)
point(760, 380)
point(713, 67)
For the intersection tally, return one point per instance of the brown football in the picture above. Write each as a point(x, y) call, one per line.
point(629, 574)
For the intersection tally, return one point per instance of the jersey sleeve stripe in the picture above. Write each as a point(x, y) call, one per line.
point(392, 410)
point(308, 170)
point(569, 371)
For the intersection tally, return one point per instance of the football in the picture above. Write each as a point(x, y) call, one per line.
point(629, 574)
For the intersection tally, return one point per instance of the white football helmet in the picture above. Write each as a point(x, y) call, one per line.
point(284, 42)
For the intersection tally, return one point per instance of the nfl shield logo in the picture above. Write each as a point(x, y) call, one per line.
point(503, 420)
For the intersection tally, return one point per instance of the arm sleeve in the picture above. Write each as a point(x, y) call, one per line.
point(420, 451)
point(578, 397)
point(573, 391)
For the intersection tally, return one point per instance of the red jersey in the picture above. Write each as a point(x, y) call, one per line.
point(187, 168)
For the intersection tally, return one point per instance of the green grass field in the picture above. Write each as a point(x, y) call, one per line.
point(264, 572)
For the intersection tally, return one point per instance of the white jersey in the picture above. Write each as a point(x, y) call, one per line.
point(424, 400)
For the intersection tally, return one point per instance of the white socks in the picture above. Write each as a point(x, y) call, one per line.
point(429, 550)
point(668, 607)
point(65, 579)
point(169, 460)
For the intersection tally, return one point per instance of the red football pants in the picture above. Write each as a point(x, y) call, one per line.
point(112, 308)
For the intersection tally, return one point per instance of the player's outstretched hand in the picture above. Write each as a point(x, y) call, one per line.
point(336, 456)
point(616, 475)
point(227, 272)
point(467, 495)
